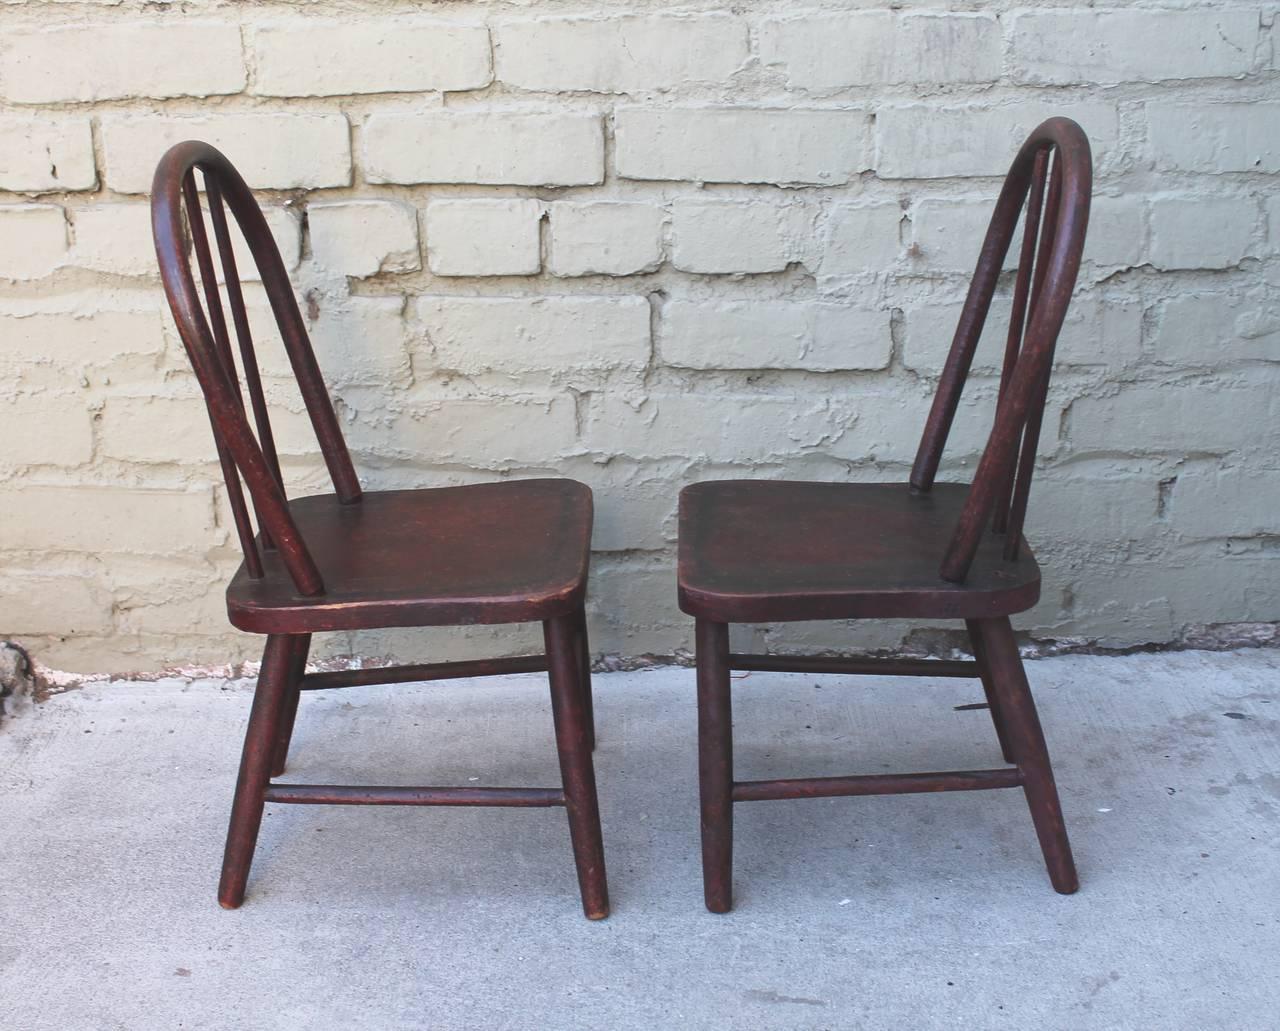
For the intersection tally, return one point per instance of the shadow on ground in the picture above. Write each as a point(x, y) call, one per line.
point(920, 912)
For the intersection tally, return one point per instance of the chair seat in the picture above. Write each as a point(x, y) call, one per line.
point(508, 552)
point(778, 551)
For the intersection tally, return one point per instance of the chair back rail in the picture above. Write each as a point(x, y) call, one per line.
point(1052, 179)
point(246, 457)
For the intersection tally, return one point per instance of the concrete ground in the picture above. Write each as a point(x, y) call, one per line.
point(907, 912)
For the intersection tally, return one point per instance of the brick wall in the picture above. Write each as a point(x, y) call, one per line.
point(639, 244)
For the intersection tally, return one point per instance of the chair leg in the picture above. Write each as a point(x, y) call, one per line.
point(564, 660)
point(297, 666)
point(255, 768)
point(715, 764)
point(993, 702)
point(1018, 710)
point(584, 661)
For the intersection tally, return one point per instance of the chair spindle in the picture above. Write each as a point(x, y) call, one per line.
point(1017, 505)
point(230, 473)
point(248, 357)
point(1018, 316)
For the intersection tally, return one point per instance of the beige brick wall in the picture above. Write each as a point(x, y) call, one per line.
point(639, 244)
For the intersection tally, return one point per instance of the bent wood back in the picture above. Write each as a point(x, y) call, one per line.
point(178, 225)
point(1052, 180)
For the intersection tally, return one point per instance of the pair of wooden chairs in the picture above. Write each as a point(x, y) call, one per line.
point(517, 551)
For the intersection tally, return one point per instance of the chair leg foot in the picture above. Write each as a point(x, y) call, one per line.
point(573, 743)
point(301, 645)
point(1018, 710)
point(255, 769)
point(993, 702)
point(584, 660)
point(715, 764)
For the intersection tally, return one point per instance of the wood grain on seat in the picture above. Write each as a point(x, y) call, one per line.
point(507, 552)
point(774, 551)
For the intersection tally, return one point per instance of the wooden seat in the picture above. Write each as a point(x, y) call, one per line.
point(508, 552)
point(778, 551)
point(757, 551)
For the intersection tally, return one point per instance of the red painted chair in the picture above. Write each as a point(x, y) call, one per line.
point(780, 551)
point(509, 552)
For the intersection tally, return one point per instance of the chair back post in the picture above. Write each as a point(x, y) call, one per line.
point(973, 317)
point(1052, 177)
point(175, 211)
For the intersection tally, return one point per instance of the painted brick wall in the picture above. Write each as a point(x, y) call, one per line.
point(638, 243)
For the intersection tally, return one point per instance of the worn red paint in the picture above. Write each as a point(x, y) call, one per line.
point(779, 551)
point(507, 552)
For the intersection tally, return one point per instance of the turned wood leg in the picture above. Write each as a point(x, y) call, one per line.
point(1018, 710)
point(584, 659)
point(993, 702)
point(301, 645)
point(255, 768)
point(573, 743)
point(715, 764)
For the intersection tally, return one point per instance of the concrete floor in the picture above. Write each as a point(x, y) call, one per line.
point(908, 912)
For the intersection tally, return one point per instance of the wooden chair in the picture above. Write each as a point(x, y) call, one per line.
point(783, 551)
point(507, 552)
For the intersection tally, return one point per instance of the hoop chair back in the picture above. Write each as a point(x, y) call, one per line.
point(247, 452)
point(1051, 179)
